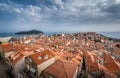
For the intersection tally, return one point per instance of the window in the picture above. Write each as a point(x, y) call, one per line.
point(40, 57)
point(33, 70)
point(50, 77)
point(20, 76)
point(28, 67)
point(46, 57)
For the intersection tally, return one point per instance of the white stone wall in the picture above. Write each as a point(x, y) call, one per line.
point(8, 53)
point(75, 75)
point(19, 66)
point(5, 39)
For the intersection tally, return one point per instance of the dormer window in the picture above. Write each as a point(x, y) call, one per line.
point(46, 57)
point(40, 57)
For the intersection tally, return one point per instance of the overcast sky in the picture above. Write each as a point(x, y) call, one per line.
point(60, 15)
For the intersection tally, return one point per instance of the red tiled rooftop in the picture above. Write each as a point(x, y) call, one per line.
point(117, 51)
point(6, 47)
point(15, 57)
point(42, 54)
point(106, 70)
point(65, 69)
point(79, 57)
point(27, 53)
point(89, 57)
point(112, 64)
point(76, 61)
point(67, 54)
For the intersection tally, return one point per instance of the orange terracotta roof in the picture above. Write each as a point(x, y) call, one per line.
point(65, 69)
point(15, 57)
point(6, 47)
point(112, 64)
point(76, 61)
point(79, 57)
point(101, 50)
point(40, 57)
point(27, 53)
point(117, 51)
point(118, 64)
point(67, 54)
point(117, 59)
point(95, 57)
point(89, 57)
point(96, 67)
point(106, 70)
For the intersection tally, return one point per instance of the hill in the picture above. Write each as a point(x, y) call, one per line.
point(29, 32)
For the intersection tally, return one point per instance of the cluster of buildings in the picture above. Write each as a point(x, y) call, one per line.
point(76, 55)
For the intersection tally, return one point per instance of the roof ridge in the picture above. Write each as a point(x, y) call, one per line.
point(14, 54)
point(65, 68)
point(91, 57)
point(105, 69)
point(116, 63)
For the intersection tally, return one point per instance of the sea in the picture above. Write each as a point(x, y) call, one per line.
point(108, 34)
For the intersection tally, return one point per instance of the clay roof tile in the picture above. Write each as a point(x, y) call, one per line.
point(66, 69)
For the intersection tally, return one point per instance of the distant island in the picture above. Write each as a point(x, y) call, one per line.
point(29, 32)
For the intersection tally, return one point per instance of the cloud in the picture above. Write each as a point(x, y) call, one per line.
point(54, 13)
point(77, 10)
point(66, 10)
point(28, 12)
point(113, 9)
point(113, 12)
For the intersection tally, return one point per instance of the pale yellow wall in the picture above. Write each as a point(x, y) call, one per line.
point(45, 64)
point(8, 53)
point(20, 65)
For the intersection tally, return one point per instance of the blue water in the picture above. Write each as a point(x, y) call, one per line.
point(13, 34)
point(109, 34)
point(7, 34)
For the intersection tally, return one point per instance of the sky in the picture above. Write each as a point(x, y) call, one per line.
point(60, 15)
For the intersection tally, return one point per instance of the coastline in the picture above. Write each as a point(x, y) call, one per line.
point(108, 34)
